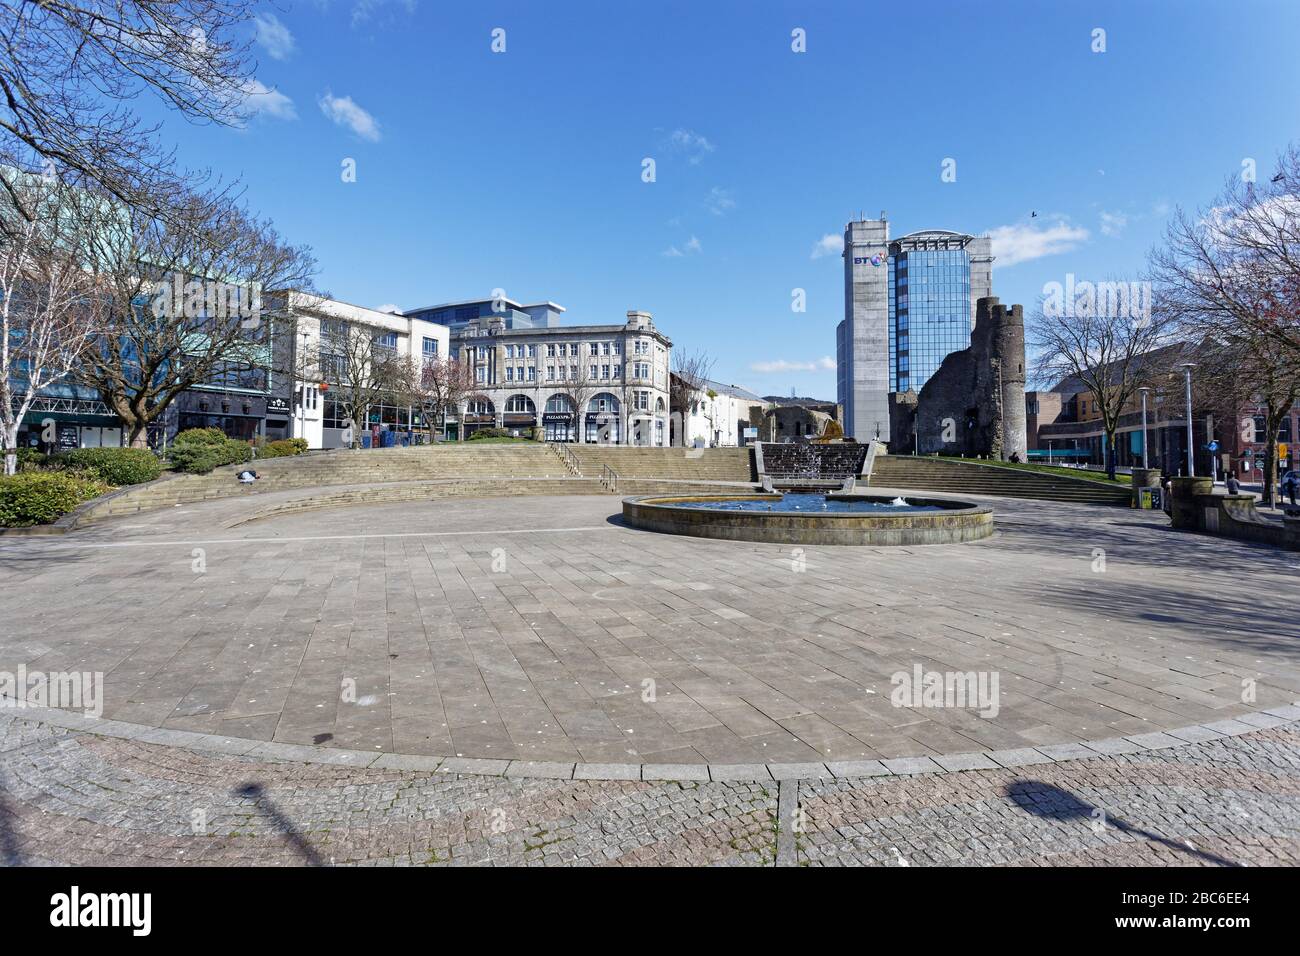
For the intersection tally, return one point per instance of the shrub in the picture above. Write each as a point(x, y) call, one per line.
point(40, 497)
point(31, 459)
point(282, 448)
point(489, 433)
point(116, 466)
point(199, 454)
point(201, 436)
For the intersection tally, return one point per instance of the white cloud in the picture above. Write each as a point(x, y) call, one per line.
point(344, 112)
point(719, 201)
point(261, 100)
point(828, 245)
point(273, 36)
point(1025, 241)
point(389, 308)
point(1113, 223)
point(692, 245)
point(363, 9)
point(823, 364)
point(692, 143)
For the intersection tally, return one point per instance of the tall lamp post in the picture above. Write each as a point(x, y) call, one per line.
point(1143, 390)
point(1191, 461)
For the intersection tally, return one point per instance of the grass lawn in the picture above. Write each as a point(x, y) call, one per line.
point(493, 441)
point(1097, 476)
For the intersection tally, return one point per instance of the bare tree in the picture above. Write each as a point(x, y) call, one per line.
point(436, 387)
point(1236, 265)
point(69, 70)
point(49, 306)
point(582, 388)
point(359, 370)
point(688, 379)
point(192, 297)
point(1102, 337)
point(1245, 371)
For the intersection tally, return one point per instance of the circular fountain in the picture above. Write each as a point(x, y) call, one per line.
point(813, 518)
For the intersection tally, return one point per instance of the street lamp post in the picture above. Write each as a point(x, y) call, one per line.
point(1143, 390)
point(1191, 461)
point(1049, 450)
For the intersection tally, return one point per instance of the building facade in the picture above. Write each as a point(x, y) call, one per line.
point(908, 303)
point(579, 383)
point(319, 416)
point(717, 416)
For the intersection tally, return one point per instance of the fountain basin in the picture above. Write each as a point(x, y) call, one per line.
point(848, 519)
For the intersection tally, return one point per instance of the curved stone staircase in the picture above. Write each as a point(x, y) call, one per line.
point(681, 464)
point(976, 478)
point(453, 469)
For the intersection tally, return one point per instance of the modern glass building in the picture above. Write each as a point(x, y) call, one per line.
point(931, 308)
point(908, 304)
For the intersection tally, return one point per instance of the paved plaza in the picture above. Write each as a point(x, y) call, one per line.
point(526, 680)
point(540, 629)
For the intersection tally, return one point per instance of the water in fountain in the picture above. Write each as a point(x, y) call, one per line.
point(808, 503)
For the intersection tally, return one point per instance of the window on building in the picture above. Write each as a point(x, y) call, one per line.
point(550, 373)
point(550, 350)
point(532, 373)
point(595, 348)
point(430, 348)
point(532, 351)
point(604, 371)
point(510, 351)
point(573, 349)
point(593, 371)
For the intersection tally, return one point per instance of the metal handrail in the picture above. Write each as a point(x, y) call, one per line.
point(609, 478)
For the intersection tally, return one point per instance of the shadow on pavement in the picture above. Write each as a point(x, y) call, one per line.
point(254, 791)
point(10, 850)
point(1052, 802)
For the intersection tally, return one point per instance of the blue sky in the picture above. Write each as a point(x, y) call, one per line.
point(523, 170)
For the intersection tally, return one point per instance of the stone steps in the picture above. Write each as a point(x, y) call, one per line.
point(894, 471)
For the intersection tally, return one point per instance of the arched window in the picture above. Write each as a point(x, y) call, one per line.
point(559, 405)
point(603, 424)
point(480, 406)
point(520, 405)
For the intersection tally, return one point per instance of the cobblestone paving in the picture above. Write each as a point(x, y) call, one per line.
point(74, 798)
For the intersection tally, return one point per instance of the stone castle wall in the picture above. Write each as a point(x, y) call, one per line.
point(975, 403)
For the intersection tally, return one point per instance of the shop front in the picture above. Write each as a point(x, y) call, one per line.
point(241, 416)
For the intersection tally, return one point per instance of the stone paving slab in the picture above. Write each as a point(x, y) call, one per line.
point(546, 659)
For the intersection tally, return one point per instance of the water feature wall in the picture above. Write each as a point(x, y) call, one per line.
point(797, 461)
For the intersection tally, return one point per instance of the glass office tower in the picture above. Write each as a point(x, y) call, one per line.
point(931, 310)
point(908, 304)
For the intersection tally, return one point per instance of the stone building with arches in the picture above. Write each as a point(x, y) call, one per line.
point(606, 384)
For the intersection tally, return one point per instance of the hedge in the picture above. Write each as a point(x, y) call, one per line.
point(116, 466)
point(40, 497)
point(199, 450)
point(282, 448)
point(31, 459)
